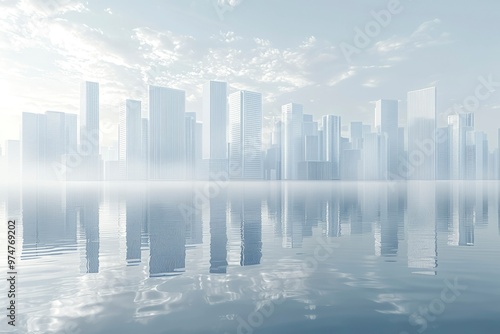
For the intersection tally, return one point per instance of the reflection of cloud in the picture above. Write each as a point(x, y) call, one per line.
point(393, 301)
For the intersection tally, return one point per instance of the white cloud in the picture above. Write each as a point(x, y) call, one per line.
point(230, 3)
point(426, 35)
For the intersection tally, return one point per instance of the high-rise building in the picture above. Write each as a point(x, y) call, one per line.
point(167, 139)
point(443, 154)
point(193, 151)
point(293, 143)
point(375, 161)
point(421, 120)
point(61, 141)
point(33, 140)
point(386, 121)
point(145, 148)
point(89, 130)
point(331, 143)
point(459, 125)
point(357, 135)
point(215, 120)
point(245, 115)
point(130, 145)
point(13, 153)
point(482, 155)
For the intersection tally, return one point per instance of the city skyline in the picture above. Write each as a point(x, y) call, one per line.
point(170, 144)
point(418, 48)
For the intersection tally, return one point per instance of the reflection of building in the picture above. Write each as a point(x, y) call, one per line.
point(48, 225)
point(293, 217)
point(251, 230)
point(134, 220)
point(333, 214)
point(167, 231)
point(463, 217)
point(218, 234)
point(386, 233)
point(421, 229)
point(88, 201)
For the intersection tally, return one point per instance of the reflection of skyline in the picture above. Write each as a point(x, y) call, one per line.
point(422, 234)
point(167, 232)
point(55, 220)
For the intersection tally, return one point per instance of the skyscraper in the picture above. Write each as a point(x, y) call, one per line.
point(459, 125)
point(421, 120)
point(245, 114)
point(60, 141)
point(167, 139)
point(89, 130)
point(130, 146)
point(482, 152)
point(293, 146)
point(331, 143)
point(386, 121)
point(215, 120)
point(33, 139)
point(443, 154)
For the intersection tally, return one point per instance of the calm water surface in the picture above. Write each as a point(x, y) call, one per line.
point(256, 257)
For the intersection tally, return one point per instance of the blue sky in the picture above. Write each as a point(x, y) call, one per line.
point(288, 50)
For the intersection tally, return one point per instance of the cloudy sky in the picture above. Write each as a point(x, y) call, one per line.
point(287, 50)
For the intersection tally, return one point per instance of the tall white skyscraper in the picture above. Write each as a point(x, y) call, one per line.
point(331, 143)
point(292, 147)
point(33, 140)
point(421, 121)
point(130, 145)
point(215, 120)
point(167, 138)
point(459, 125)
point(375, 161)
point(386, 121)
point(61, 141)
point(482, 154)
point(245, 116)
point(89, 129)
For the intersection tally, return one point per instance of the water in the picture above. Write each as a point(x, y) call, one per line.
point(319, 257)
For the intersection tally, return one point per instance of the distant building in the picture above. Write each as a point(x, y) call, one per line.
point(386, 121)
point(245, 115)
point(293, 142)
point(167, 138)
point(130, 145)
point(89, 131)
point(421, 120)
point(331, 141)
